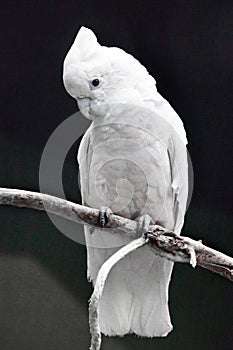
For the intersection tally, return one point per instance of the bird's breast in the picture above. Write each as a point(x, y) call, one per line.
point(129, 169)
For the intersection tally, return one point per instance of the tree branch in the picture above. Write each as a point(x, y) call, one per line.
point(164, 242)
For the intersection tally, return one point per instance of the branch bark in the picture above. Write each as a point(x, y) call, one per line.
point(164, 242)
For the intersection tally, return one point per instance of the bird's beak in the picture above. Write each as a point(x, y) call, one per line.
point(83, 102)
point(84, 106)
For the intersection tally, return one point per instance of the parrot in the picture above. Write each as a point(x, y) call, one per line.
point(132, 162)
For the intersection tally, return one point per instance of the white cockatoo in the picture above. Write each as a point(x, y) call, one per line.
point(132, 162)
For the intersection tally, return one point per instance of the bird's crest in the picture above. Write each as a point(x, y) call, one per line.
point(85, 45)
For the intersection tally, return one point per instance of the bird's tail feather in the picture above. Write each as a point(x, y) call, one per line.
point(135, 298)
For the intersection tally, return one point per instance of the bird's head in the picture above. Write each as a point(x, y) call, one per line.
point(97, 76)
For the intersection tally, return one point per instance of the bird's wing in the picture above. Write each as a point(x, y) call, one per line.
point(85, 153)
point(100, 245)
point(177, 153)
point(178, 158)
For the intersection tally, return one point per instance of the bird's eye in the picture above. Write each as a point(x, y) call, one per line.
point(95, 83)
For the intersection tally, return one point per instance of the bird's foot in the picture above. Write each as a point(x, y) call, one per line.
point(105, 212)
point(144, 221)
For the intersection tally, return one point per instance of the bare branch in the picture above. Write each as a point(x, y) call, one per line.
point(164, 242)
point(66, 209)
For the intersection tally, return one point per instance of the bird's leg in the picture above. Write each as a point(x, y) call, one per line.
point(105, 212)
point(144, 221)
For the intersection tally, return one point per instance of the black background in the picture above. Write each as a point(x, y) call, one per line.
point(187, 47)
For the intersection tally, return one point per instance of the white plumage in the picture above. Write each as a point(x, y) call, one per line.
point(132, 159)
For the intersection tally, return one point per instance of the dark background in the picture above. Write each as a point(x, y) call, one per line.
point(187, 47)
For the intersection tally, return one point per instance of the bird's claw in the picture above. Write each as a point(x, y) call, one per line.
point(146, 234)
point(144, 221)
point(105, 212)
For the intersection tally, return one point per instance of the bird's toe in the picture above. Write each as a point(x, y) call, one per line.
point(104, 215)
